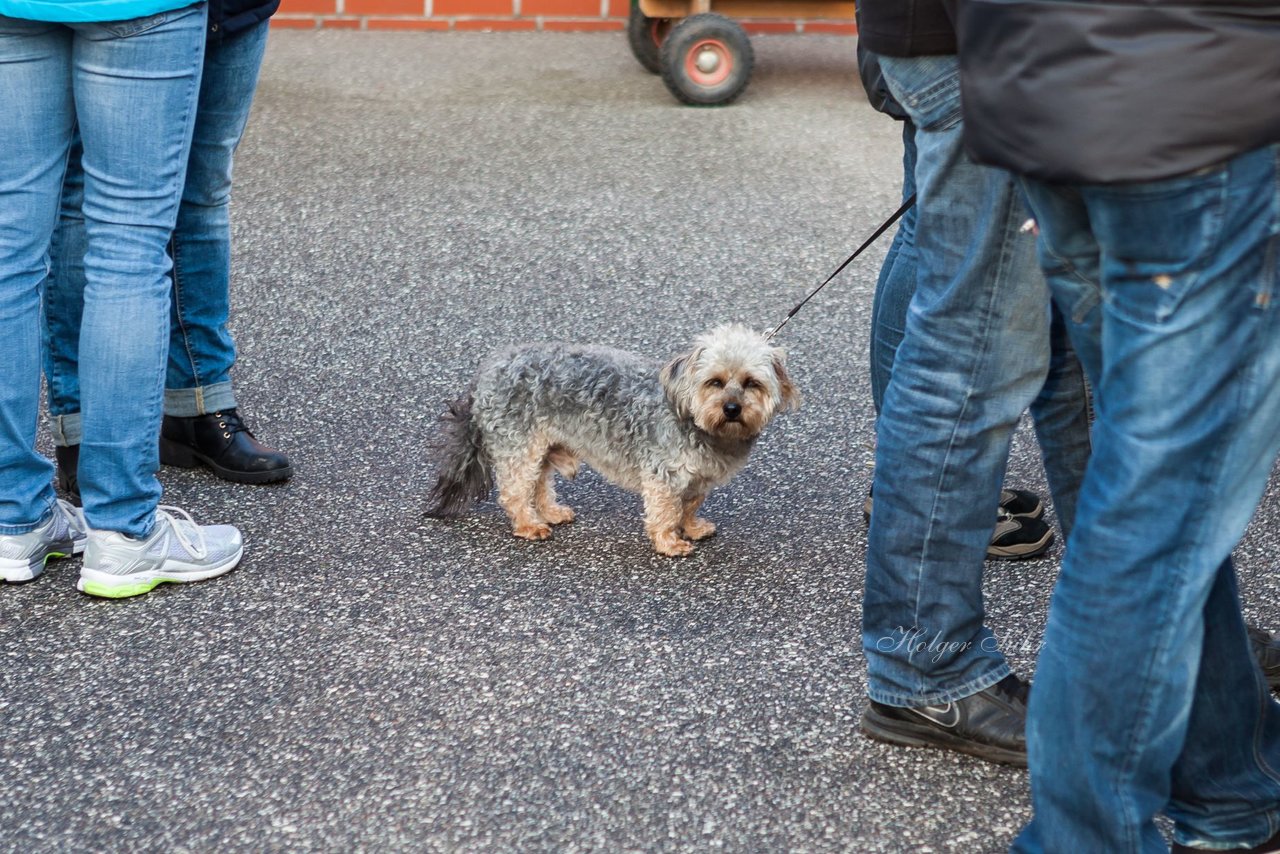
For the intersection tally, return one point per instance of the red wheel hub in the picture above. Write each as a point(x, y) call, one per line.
point(708, 62)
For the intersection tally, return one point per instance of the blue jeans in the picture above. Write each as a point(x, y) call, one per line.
point(974, 357)
point(1062, 416)
point(1060, 412)
point(897, 280)
point(201, 351)
point(1147, 698)
point(131, 86)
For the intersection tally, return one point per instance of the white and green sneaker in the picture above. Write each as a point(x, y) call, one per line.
point(63, 534)
point(178, 550)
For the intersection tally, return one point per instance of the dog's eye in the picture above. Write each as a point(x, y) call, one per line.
point(716, 383)
point(750, 383)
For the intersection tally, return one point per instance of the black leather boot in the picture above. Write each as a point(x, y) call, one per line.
point(221, 442)
point(68, 457)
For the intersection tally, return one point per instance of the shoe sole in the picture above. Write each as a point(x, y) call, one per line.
point(107, 586)
point(181, 456)
point(17, 571)
point(905, 734)
point(1021, 551)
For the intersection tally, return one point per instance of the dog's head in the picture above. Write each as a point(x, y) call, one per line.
point(731, 383)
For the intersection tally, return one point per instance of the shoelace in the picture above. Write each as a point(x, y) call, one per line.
point(231, 423)
point(198, 550)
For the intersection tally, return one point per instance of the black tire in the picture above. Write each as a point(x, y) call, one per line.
point(645, 35)
point(706, 60)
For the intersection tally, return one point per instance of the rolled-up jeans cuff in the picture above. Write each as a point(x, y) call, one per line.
point(201, 400)
point(66, 429)
point(1246, 840)
point(941, 695)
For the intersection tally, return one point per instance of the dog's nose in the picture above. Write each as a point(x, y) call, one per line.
point(732, 411)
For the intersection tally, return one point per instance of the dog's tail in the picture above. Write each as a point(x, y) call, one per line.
point(464, 468)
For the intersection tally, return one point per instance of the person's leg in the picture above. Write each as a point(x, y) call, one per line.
point(35, 100)
point(64, 306)
point(198, 378)
point(974, 356)
point(1225, 784)
point(201, 424)
point(136, 85)
point(1061, 416)
point(63, 310)
point(897, 280)
point(135, 91)
point(1020, 532)
point(1146, 696)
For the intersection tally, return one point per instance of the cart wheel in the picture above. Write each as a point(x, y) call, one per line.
point(645, 36)
point(706, 60)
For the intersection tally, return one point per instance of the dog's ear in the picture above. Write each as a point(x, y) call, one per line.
point(787, 390)
point(672, 370)
point(676, 377)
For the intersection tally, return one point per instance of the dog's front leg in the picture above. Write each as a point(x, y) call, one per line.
point(663, 511)
point(694, 526)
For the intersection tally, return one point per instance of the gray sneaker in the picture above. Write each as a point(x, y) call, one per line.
point(63, 534)
point(178, 550)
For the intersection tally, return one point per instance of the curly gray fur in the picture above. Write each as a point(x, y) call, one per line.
point(670, 432)
point(465, 470)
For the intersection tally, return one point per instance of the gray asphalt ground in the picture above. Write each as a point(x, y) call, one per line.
point(369, 680)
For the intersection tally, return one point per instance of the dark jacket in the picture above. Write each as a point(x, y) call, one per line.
point(228, 17)
point(907, 27)
point(878, 94)
point(1110, 91)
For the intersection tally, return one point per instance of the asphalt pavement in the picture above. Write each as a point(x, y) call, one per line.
point(370, 680)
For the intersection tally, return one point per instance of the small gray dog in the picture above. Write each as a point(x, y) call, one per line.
point(671, 433)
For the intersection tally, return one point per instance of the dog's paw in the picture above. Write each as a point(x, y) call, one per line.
point(532, 532)
point(699, 528)
point(672, 546)
point(558, 514)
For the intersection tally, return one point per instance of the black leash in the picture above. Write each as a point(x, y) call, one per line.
point(897, 215)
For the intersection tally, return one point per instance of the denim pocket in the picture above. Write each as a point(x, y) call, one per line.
point(928, 87)
point(1155, 240)
point(1067, 250)
point(134, 26)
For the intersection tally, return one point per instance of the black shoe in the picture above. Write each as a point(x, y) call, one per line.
point(221, 442)
point(990, 724)
point(1019, 537)
point(68, 457)
point(1021, 502)
point(1266, 648)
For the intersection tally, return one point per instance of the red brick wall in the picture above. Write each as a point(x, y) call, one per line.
point(492, 15)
